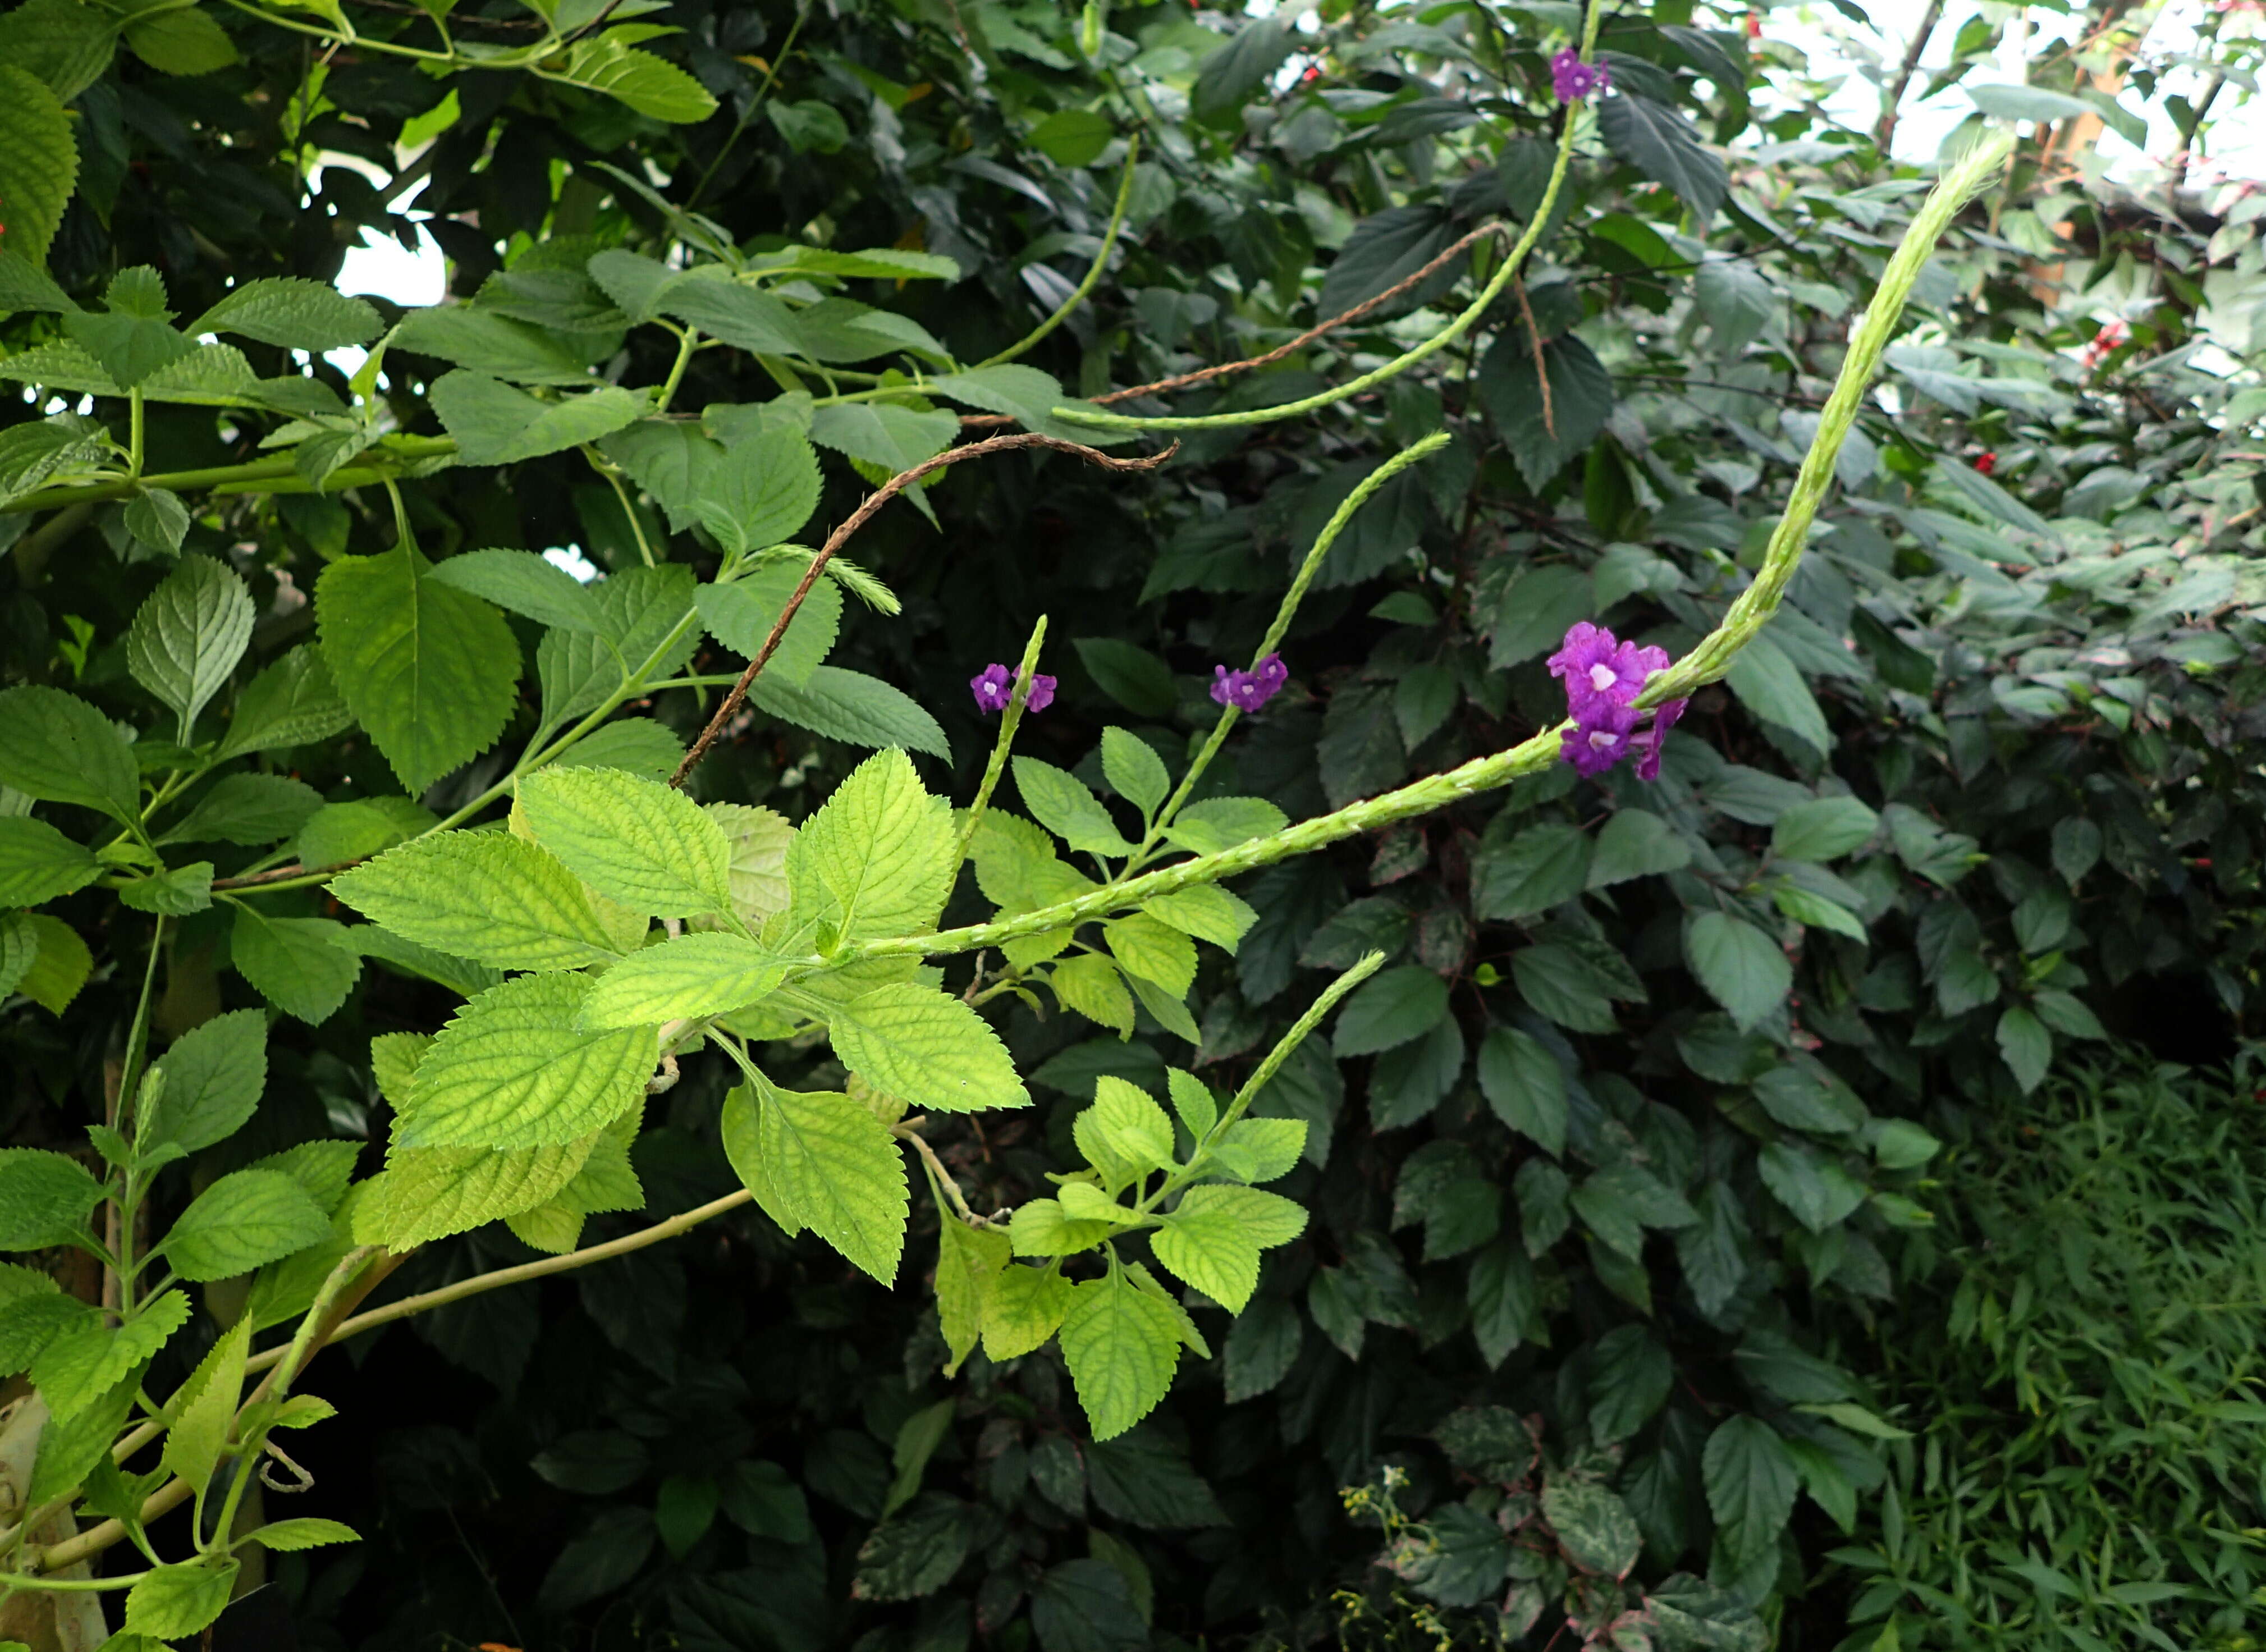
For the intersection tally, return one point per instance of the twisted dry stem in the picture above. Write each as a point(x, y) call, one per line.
point(858, 518)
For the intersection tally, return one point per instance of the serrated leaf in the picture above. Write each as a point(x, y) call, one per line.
point(292, 313)
point(43, 1198)
point(515, 1069)
point(292, 703)
point(2026, 1046)
point(303, 966)
point(1024, 1307)
point(180, 42)
point(969, 1260)
point(1123, 1346)
point(1207, 912)
point(1152, 950)
point(1750, 1482)
point(878, 858)
point(1124, 1135)
point(1580, 400)
point(1222, 822)
point(248, 809)
point(690, 975)
point(288, 1536)
point(759, 839)
point(633, 840)
point(839, 1169)
point(205, 1406)
point(926, 1047)
point(60, 965)
point(1390, 1009)
point(651, 86)
point(1741, 968)
point(426, 1194)
point(761, 491)
point(39, 163)
point(428, 669)
point(172, 1602)
point(242, 1221)
point(1526, 1086)
point(1636, 843)
point(851, 707)
point(496, 424)
point(1664, 145)
point(55, 745)
point(526, 584)
point(1061, 802)
point(487, 895)
point(37, 863)
point(214, 1076)
point(741, 615)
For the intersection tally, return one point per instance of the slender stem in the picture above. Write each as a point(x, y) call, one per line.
point(133, 431)
point(1712, 656)
point(409, 449)
point(1008, 720)
point(1094, 271)
point(785, 50)
point(32, 1582)
point(612, 473)
point(481, 1284)
point(1892, 99)
point(1438, 341)
point(1285, 611)
point(688, 341)
point(117, 1283)
point(857, 519)
point(940, 1180)
point(1264, 1073)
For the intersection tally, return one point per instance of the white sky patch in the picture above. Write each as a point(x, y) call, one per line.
point(570, 560)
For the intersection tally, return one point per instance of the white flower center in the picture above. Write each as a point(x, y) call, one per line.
point(1603, 677)
point(1602, 739)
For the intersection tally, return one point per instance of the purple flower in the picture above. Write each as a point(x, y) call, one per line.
point(1663, 719)
point(1573, 79)
point(994, 689)
point(1601, 676)
point(1595, 666)
point(1248, 690)
point(1600, 737)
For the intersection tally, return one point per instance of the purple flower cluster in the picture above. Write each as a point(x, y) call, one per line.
point(1575, 80)
point(1601, 676)
point(994, 689)
point(1248, 690)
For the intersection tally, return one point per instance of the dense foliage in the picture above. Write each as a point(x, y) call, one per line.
point(1591, 1182)
point(2076, 1357)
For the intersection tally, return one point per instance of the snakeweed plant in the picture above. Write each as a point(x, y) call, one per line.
point(601, 926)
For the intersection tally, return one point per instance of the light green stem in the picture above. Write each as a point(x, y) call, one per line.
point(1712, 656)
point(1284, 612)
point(1264, 1073)
point(1008, 720)
point(1093, 273)
point(1438, 341)
point(1704, 664)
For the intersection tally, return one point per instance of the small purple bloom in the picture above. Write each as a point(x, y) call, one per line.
point(1663, 719)
point(1601, 676)
point(1248, 690)
point(993, 688)
point(1573, 79)
point(1595, 666)
point(1600, 737)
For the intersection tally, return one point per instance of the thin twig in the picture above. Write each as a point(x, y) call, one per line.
point(1891, 101)
point(907, 1131)
point(858, 518)
point(1204, 375)
point(1541, 368)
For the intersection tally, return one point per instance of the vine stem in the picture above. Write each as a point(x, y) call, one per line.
point(1706, 662)
point(857, 519)
point(1009, 720)
point(1093, 272)
point(1401, 364)
point(1285, 611)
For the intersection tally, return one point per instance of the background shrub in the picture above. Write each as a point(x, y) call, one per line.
point(1635, 1126)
